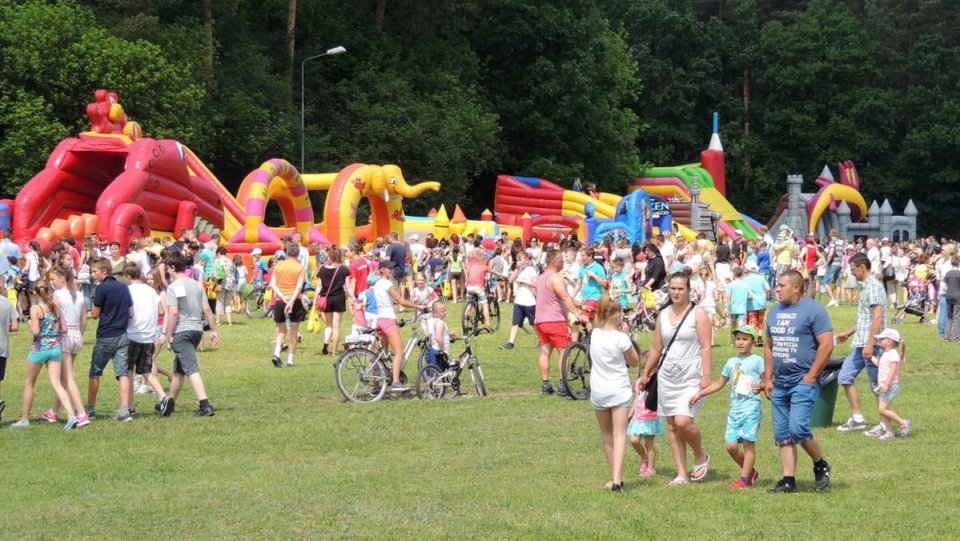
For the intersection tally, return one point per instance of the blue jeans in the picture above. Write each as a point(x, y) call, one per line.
point(854, 363)
point(792, 409)
point(942, 316)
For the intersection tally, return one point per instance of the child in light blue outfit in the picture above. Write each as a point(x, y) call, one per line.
point(737, 294)
point(746, 409)
point(644, 426)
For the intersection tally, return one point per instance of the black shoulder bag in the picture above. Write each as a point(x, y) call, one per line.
point(652, 385)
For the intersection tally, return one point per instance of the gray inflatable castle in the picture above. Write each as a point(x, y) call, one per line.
point(840, 206)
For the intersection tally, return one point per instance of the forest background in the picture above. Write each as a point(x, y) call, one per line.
point(462, 90)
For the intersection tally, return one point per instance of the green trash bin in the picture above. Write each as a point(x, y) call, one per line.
point(827, 402)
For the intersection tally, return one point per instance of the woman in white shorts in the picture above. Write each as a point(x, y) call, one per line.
point(70, 303)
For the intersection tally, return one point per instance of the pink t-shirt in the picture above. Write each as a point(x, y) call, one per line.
point(359, 270)
point(475, 274)
point(640, 411)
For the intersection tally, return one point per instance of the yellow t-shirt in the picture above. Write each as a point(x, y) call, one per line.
point(785, 255)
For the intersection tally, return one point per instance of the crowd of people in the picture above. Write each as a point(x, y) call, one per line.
point(168, 292)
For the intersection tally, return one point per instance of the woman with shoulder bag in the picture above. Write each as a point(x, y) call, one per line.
point(331, 297)
point(682, 357)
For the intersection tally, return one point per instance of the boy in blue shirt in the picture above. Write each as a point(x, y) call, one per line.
point(738, 292)
point(592, 280)
point(746, 409)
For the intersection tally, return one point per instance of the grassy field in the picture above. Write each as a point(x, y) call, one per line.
point(287, 457)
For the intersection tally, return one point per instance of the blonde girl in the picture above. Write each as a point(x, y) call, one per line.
point(46, 327)
point(70, 304)
point(612, 353)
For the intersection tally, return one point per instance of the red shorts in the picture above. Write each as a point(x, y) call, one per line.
point(555, 333)
point(589, 309)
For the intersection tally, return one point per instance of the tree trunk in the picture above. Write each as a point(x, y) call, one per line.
point(207, 21)
point(746, 127)
point(381, 13)
point(291, 36)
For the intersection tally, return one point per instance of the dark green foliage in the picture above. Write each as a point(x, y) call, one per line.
point(461, 90)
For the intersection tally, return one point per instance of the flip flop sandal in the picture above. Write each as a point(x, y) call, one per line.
point(678, 482)
point(705, 467)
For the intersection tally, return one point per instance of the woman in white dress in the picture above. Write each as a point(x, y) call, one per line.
point(686, 370)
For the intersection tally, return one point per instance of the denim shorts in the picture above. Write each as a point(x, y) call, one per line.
point(479, 292)
point(792, 409)
point(854, 364)
point(105, 349)
point(184, 346)
point(832, 275)
point(892, 392)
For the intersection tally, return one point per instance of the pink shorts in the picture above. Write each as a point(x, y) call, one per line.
point(71, 341)
point(555, 333)
point(387, 325)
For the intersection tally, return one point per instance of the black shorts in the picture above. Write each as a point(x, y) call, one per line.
point(140, 357)
point(455, 276)
point(336, 303)
point(3, 367)
point(297, 315)
point(521, 312)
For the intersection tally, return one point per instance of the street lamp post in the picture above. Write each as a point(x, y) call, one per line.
point(330, 52)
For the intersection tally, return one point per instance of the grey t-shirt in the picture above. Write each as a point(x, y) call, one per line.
point(7, 314)
point(189, 297)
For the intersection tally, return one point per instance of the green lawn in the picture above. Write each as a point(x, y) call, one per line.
point(287, 457)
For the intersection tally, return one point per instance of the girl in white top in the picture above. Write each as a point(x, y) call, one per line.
point(69, 302)
point(386, 294)
point(421, 293)
point(611, 393)
point(708, 301)
point(888, 381)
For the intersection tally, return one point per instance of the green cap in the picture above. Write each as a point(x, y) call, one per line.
point(749, 330)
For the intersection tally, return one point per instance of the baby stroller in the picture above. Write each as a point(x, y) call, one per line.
point(649, 304)
point(916, 302)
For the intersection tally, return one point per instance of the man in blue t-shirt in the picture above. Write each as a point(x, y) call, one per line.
point(799, 344)
point(113, 306)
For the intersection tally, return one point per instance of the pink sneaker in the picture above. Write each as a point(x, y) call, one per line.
point(83, 420)
point(50, 416)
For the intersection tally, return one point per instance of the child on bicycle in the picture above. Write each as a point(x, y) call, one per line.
point(439, 332)
point(746, 410)
point(477, 270)
point(644, 426)
point(421, 293)
point(592, 281)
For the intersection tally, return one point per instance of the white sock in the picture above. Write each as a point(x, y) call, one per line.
point(290, 358)
point(276, 351)
point(858, 417)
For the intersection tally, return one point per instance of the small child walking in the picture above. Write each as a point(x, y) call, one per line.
point(746, 410)
point(644, 426)
point(888, 381)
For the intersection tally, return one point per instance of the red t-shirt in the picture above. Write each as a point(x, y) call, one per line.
point(359, 271)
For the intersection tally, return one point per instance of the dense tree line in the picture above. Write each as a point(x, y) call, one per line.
point(461, 90)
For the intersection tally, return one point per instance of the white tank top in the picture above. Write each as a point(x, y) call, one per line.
point(72, 309)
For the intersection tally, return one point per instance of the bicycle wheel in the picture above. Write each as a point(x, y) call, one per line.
point(424, 358)
point(361, 376)
point(432, 383)
point(494, 315)
point(476, 374)
point(470, 317)
point(575, 371)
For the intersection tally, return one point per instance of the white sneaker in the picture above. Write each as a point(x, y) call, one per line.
point(852, 425)
point(876, 431)
point(833, 303)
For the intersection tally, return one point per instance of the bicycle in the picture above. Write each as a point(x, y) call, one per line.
point(435, 382)
point(364, 369)
point(473, 312)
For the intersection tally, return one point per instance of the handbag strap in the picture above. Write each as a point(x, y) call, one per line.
point(663, 355)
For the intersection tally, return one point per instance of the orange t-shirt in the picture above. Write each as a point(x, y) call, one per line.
point(286, 273)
